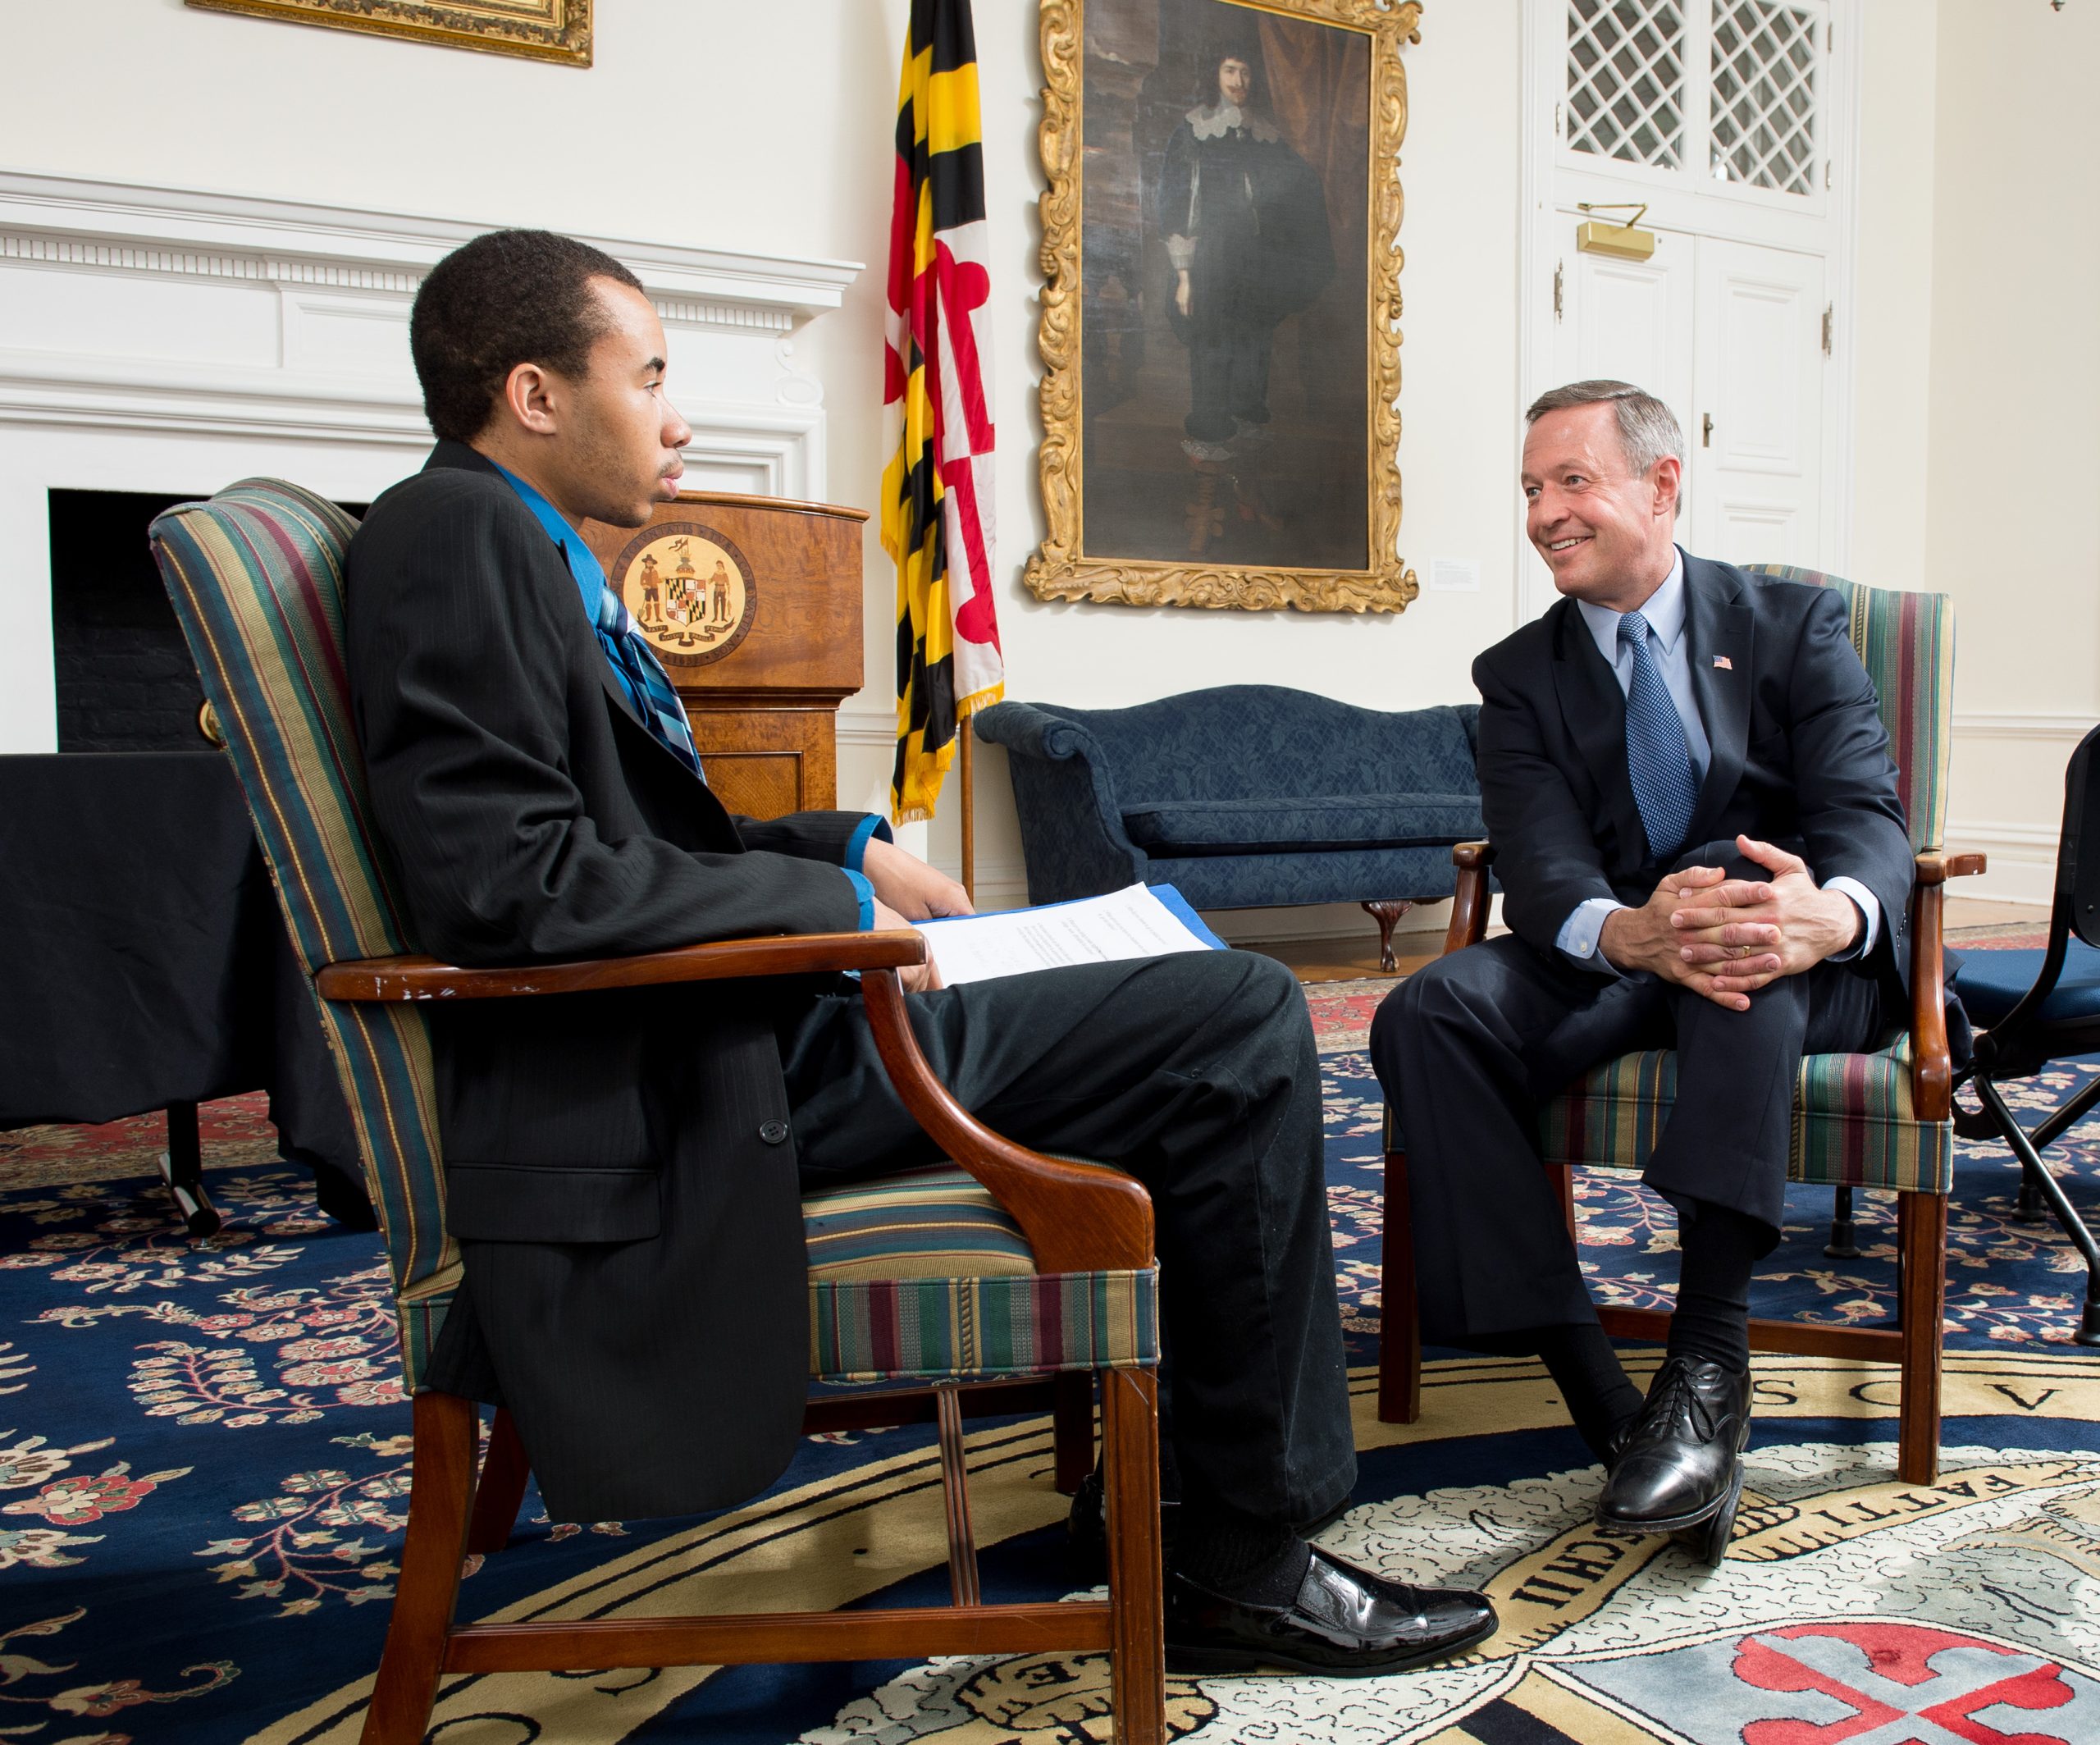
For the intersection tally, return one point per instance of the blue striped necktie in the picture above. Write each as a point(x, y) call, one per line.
point(647, 683)
point(1658, 754)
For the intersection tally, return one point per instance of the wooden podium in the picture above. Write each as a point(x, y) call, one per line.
point(753, 605)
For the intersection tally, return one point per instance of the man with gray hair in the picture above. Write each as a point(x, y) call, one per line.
point(1700, 846)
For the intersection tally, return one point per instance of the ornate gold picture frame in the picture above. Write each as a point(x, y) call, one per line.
point(540, 30)
point(1219, 328)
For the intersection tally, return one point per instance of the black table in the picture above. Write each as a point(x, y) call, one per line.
point(143, 964)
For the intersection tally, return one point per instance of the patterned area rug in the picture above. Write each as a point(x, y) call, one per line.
point(203, 1475)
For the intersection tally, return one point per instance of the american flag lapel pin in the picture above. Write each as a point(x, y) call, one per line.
point(1724, 663)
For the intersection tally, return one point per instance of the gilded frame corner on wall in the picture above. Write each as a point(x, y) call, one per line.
point(1238, 488)
point(539, 30)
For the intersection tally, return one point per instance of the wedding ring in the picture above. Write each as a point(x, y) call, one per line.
point(1738, 951)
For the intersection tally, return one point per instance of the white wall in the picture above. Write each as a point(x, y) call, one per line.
point(2008, 502)
point(767, 127)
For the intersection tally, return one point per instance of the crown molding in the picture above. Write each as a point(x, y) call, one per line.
point(63, 221)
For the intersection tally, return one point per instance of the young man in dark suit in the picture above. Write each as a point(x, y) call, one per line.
point(1700, 846)
point(624, 1170)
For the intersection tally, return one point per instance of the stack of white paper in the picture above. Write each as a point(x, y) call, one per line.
point(1141, 921)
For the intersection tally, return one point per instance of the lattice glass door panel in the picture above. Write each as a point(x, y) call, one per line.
point(1626, 73)
point(1764, 110)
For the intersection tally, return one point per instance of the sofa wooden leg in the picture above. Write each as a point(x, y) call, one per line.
point(1071, 1427)
point(446, 1429)
point(502, 1488)
point(1386, 911)
point(1921, 1312)
point(1399, 1324)
point(1130, 1435)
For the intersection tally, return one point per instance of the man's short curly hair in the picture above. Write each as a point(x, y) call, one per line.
point(508, 298)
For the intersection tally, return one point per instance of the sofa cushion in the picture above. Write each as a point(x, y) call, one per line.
point(1296, 826)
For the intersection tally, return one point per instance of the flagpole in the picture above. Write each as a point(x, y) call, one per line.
point(968, 815)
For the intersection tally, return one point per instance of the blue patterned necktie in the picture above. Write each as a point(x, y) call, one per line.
point(648, 685)
point(1658, 754)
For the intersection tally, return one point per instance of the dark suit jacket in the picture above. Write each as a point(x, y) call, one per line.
point(618, 1169)
point(1799, 756)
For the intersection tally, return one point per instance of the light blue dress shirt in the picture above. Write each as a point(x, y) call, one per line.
point(1581, 935)
point(589, 575)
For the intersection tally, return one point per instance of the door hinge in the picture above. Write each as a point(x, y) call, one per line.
point(1559, 124)
point(1829, 315)
point(1829, 166)
point(1829, 36)
point(1558, 270)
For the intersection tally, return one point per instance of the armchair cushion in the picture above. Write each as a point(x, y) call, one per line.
point(924, 1275)
point(1853, 1124)
point(1315, 825)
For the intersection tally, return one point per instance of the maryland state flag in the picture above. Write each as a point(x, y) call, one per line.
point(936, 488)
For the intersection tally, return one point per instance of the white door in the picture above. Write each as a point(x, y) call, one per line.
point(1629, 321)
point(1756, 433)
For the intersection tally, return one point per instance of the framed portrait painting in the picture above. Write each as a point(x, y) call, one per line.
point(539, 30)
point(1219, 328)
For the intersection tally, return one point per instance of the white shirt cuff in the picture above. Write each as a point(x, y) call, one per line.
point(1869, 910)
point(1581, 937)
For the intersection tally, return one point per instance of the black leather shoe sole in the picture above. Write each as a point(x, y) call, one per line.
point(1219, 1658)
point(1709, 1544)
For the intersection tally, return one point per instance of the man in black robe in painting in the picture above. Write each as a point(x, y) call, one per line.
point(1245, 224)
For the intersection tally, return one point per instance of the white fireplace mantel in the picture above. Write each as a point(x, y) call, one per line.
point(172, 340)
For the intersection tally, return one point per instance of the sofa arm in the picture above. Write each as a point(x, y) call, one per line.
point(1071, 827)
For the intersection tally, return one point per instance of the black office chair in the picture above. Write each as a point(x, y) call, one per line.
point(2034, 1008)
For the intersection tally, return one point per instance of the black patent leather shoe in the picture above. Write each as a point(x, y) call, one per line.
point(1346, 1623)
point(1680, 1462)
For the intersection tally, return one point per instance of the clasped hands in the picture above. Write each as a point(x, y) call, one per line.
point(1725, 938)
point(908, 890)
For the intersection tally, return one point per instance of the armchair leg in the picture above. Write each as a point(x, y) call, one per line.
point(1921, 1311)
point(501, 1489)
point(1386, 911)
point(1399, 1325)
point(1130, 1435)
point(428, 1589)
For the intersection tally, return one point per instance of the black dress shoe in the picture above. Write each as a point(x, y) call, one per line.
point(1681, 1461)
point(1346, 1623)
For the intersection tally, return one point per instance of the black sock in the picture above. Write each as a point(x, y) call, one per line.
point(1260, 1562)
point(1721, 1247)
point(1586, 1369)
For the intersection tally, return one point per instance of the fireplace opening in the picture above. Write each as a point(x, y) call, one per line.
point(126, 679)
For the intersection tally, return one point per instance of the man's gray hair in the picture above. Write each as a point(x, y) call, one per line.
point(1647, 429)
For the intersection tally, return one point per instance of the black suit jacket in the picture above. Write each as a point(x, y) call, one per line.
point(1799, 756)
point(618, 1169)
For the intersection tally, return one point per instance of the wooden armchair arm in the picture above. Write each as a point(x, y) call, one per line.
point(1077, 1217)
point(1932, 1068)
point(1469, 895)
point(721, 960)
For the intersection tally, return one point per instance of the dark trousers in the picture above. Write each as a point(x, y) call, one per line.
point(1228, 377)
point(1467, 1049)
point(1197, 1075)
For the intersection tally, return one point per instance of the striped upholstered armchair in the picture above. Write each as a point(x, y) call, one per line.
point(1010, 1265)
point(1883, 1119)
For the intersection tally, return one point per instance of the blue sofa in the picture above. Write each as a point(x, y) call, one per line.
point(1243, 796)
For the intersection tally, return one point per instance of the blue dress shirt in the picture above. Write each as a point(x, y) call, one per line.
point(589, 575)
point(1581, 935)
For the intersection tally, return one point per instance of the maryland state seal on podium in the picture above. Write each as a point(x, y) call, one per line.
point(689, 590)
